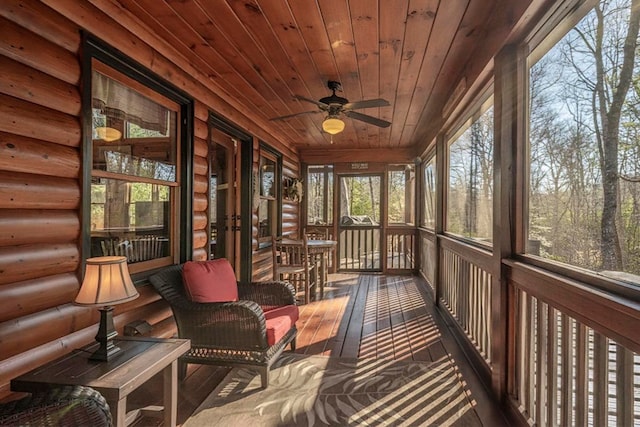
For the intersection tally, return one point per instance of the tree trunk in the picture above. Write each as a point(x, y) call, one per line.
point(611, 246)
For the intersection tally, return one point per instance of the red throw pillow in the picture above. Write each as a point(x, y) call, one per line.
point(210, 281)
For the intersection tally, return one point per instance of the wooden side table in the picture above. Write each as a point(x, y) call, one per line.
point(321, 249)
point(140, 360)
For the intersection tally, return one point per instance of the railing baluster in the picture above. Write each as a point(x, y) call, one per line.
point(353, 248)
point(600, 379)
point(582, 405)
point(624, 389)
point(552, 366)
point(566, 389)
point(541, 371)
point(529, 366)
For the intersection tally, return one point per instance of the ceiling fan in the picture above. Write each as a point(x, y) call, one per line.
point(335, 105)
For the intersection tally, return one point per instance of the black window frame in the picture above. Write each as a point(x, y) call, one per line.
point(94, 48)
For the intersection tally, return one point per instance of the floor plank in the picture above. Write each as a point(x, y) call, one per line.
point(362, 315)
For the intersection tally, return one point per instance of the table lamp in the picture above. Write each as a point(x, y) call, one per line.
point(106, 283)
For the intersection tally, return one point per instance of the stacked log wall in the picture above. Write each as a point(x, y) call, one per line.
point(40, 173)
point(262, 263)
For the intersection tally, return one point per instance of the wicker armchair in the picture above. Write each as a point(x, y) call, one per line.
point(64, 406)
point(228, 333)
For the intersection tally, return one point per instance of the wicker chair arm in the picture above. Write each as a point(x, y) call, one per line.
point(68, 406)
point(239, 324)
point(268, 295)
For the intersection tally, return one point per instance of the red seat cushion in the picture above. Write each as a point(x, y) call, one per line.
point(279, 321)
point(210, 281)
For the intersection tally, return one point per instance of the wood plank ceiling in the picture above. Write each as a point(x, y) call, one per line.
point(261, 53)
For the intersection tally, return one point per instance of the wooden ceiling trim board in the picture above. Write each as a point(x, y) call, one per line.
point(340, 34)
point(485, 42)
point(472, 31)
point(235, 74)
point(257, 25)
point(338, 23)
point(391, 47)
point(195, 55)
point(272, 66)
point(443, 33)
point(365, 18)
point(134, 39)
point(287, 32)
point(264, 40)
point(315, 37)
point(311, 27)
point(420, 19)
point(212, 22)
point(359, 155)
point(189, 39)
point(286, 29)
point(283, 25)
point(309, 132)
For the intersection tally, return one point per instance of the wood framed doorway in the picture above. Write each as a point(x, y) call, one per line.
point(360, 222)
point(224, 204)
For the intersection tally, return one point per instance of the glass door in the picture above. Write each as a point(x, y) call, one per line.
point(360, 222)
point(224, 222)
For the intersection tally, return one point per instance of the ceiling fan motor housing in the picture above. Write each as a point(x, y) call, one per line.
point(334, 99)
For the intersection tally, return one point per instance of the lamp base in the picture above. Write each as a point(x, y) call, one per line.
point(106, 333)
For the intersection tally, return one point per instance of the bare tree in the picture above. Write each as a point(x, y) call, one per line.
point(609, 86)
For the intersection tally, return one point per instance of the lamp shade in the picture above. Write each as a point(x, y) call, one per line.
point(108, 134)
point(333, 125)
point(106, 282)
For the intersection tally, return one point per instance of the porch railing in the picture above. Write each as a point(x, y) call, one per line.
point(401, 244)
point(573, 351)
point(569, 374)
point(465, 292)
point(359, 248)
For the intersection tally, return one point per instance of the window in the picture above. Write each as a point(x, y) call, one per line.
point(134, 177)
point(401, 207)
point(429, 194)
point(268, 204)
point(320, 195)
point(584, 146)
point(470, 174)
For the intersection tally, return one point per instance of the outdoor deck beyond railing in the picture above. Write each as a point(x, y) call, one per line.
point(360, 248)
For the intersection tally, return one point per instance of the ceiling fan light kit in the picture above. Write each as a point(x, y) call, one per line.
point(332, 125)
point(335, 105)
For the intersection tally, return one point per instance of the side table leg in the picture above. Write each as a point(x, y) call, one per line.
point(170, 374)
point(323, 273)
point(119, 412)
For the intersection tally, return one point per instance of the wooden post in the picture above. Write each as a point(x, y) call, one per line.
point(507, 113)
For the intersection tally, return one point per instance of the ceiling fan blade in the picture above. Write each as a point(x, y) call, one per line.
point(322, 105)
point(368, 103)
point(288, 116)
point(367, 119)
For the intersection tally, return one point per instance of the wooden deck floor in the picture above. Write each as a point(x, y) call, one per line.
point(362, 315)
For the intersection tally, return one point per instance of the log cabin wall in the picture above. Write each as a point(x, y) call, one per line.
point(262, 268)
point(200, 182)
point(41, 168)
